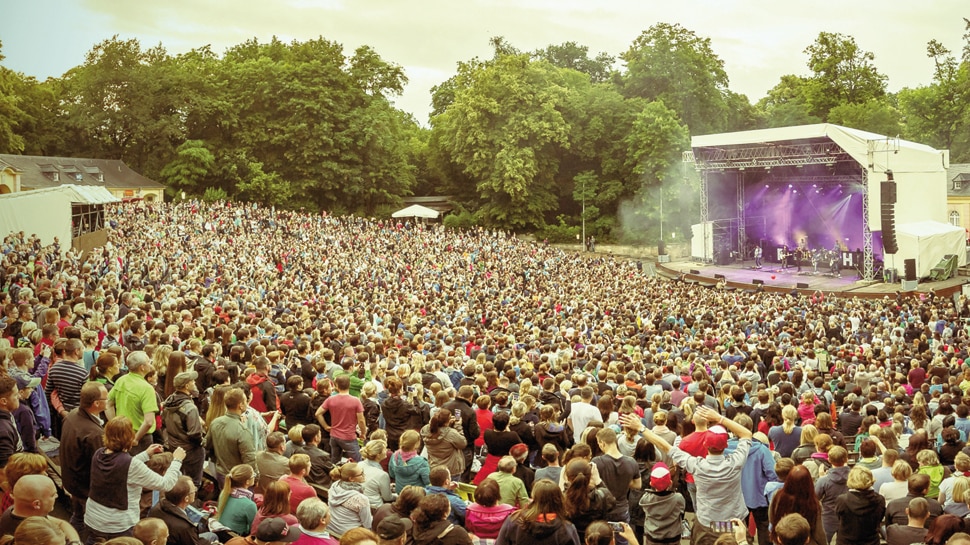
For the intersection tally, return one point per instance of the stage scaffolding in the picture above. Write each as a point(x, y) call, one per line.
point(766, 156)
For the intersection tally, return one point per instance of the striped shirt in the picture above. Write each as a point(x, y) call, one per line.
point(67, 377)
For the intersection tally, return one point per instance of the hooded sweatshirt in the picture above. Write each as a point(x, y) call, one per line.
point(554, 532)
point(264, 393)
point(405, 468)
point(828, 488)
point(485, 522)
point(442, 532)
point(349, 508)
point(936, 474)
point(860, 513)
point(181, 425)
point(663, 513)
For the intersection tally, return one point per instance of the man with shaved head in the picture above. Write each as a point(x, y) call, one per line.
point(34, 496)
point(134, 397)
point(151, 531)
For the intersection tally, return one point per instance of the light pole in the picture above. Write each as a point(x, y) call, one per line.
point(584, 214)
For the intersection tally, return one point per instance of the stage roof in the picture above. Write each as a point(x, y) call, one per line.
point(919, 170)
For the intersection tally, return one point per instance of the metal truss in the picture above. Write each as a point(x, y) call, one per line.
point(741, 222)
point(867, 260)
point(823, 153)
point(705, 210)
point(829, 180)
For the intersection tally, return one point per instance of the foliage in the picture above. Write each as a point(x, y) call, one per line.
point(843, 73)
point(214, 194)
point(459, 219)
point(674, 65)
point(11, 114)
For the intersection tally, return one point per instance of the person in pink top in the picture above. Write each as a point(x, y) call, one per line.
point(276, 504)
point(346, 421)
point(485, 516)
point(314, 515)
point(806, 409)
point(299, 465)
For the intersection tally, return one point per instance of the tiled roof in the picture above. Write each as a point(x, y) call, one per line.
point(38, 172)
point(958, 173)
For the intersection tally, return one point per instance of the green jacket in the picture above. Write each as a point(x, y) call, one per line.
point(230, 443)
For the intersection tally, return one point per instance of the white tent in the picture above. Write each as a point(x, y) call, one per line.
point(44, 212)
point(928, 242)
point(416, 211)
point(47, 212)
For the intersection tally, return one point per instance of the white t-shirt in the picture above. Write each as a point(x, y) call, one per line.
point(580, 417)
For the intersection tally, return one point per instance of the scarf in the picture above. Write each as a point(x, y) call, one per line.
point(348, 485)
point(405, 456)
point(241, 493)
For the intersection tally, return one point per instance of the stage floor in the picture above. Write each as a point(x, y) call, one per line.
point(742, 275)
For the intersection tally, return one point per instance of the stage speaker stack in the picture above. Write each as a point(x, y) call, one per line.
point(910, 281)
point(888, 198)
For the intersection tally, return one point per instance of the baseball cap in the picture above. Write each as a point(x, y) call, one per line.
point(26, 382)
point(276, 529)
point(716, 438)
point(184, 378)
point(660, 476)
point(392, 528)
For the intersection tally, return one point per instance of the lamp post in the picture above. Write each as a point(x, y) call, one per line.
point(584, 214)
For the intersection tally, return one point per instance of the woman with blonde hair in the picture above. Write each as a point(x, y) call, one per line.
point(806, 446)
point(377, 483)
point(37, 531)
point(860, 510)
point(406, 467)
point(786, 437)
point(217, 404)
point(160, 363)
point(901, 471)
point(349, 507)
point(961, 496)
point(236, 509)
point(20, 464)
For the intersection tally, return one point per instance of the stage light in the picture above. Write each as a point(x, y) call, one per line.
point(814, 185)
point(789, 185)
point(766, 186)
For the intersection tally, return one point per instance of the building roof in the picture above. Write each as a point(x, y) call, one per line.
point(38, 172)
point(958, 180)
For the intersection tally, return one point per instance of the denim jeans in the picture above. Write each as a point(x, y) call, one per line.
point(340, 448)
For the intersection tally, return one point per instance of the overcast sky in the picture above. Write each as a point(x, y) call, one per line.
point(759, 41)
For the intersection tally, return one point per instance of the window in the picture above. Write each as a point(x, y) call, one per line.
point(957, 185)
point(955, 218)
point(77, 176)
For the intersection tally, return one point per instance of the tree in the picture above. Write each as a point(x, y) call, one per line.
point(843, 73)
point(654, 155)
point(191, 167)
point(937, 114)
point(11, 115)
point(503, 132)
point(878, 116)
point(573, 56)
point(674, 65)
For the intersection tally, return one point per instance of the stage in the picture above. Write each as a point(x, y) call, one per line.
point(742, 276)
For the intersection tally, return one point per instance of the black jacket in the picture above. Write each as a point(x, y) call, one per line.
point(557, 532)
point(10, 442)
point(469, 422)
point(398, 414)
point(81, 437)
point(181, 530)
point(860, 513)
point(559, 401)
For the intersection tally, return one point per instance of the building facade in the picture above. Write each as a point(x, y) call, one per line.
point(28, 172)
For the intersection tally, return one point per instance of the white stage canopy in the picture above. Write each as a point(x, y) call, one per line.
point(47, 212)
point(416, 211)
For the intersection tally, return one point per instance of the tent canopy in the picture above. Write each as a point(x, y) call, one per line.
point(928, 242)
point(416, 211)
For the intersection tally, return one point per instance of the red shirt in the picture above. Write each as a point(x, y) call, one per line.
point(343, 409)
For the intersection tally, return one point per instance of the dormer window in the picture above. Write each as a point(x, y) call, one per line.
point(100, 177)
point(78, 176)
point(957, 185)
point(56, 176)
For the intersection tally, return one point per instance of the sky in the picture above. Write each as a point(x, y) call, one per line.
point(759, 41)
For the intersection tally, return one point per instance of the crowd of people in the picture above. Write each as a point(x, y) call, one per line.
point(238, 374)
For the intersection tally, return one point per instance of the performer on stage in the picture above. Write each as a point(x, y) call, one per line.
point(836, 258)
point(786, 256)
point(800, 253)
point(757, 256)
